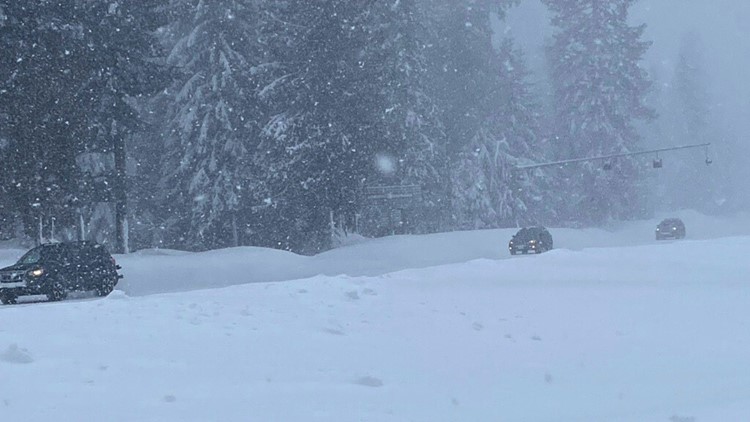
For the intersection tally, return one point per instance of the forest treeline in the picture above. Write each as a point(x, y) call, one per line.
point(274, 123)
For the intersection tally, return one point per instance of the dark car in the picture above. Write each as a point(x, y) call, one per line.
point(670, 228)
point(54, 269)
point(530, 240)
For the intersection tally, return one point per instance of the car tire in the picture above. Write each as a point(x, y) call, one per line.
point(56, 291)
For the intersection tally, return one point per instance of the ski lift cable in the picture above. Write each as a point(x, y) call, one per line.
point(607, 157)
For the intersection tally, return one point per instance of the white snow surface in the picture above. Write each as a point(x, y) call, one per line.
point(609, 326)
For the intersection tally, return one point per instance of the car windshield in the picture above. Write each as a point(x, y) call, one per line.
point(528, 233)
point(31, 257)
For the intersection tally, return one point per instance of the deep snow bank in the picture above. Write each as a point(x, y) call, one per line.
point(653, 332)
point(159, 271)
point(146, 273)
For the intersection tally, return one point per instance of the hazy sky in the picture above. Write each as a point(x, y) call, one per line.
point(723, 26)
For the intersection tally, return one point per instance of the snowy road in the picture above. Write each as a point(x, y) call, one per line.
point(650, 332)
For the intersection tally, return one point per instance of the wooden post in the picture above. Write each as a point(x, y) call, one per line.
point(235, 231)
point(81, 226)
point(120, 195)
point(40, 238)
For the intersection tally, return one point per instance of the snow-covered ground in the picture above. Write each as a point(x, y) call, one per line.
point(610, 326)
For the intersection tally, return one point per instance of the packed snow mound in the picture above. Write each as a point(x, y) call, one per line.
point(161, 270)
point(145, 274)
point(648, 332)
point(15, 354)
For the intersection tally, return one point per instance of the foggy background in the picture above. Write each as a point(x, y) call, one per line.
point(201, 125)
point(724, 43)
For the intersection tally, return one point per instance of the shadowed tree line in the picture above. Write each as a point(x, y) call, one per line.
point(264, 123)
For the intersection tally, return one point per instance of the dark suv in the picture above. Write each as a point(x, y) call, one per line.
point(54, 269)
point(530, 240)
point(670, 228)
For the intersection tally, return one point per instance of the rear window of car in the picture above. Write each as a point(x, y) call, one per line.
point(93, 252)
point(60, 253)
point(536, 231)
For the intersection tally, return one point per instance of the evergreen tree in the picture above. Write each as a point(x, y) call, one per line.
point(212, 121)
point(123, 67)
point(410, 134)
point(7, 214)
point(490, 118)
point(41, 107)
point(463, 65)
point(490, 193)
point(71, 70)
point(691, 184)
point(467, 77)
point(317, 144)
point(599, 93)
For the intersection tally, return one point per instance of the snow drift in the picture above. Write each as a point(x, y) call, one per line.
point(610, 326)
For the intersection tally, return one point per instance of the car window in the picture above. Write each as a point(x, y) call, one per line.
point(31, 257)
point(59, 254)
point(79, 254)
point(90, 254)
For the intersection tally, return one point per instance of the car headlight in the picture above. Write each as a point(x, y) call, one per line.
point(532, 241)
point(658, 229)
point(674, 228)
point(37, 272)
